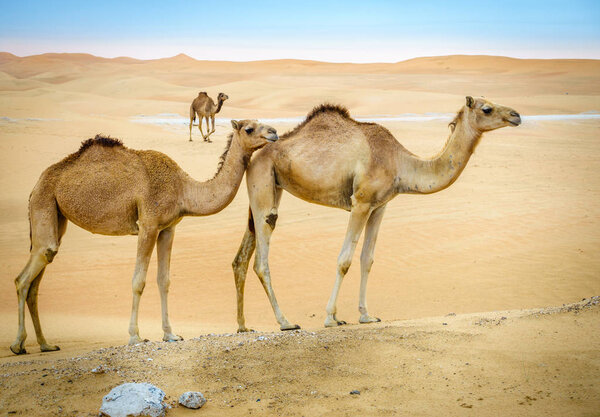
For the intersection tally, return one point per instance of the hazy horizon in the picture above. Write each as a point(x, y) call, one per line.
point(352, 31)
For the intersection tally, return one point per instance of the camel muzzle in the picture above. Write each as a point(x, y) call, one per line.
point(272, 137)
point(515, 119)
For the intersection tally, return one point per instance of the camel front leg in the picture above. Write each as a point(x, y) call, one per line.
point(164, 244)
point(212, 123)
point(207, 130)
point(358, 218)
point(366, 261)
point(240, 270)
point(146, 240)
point(264, 223)
point(200, 118)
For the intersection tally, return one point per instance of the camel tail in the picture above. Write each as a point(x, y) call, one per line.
point(192, 114)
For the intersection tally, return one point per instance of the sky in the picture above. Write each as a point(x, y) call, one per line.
point(333, 31)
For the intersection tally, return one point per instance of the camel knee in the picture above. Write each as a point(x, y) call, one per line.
point(271, 219)
point(366, 263)
point(261, 269)
point(344, 265)
point(163, 286)
point(238, 264)
point(138, 287)
point(50, 253)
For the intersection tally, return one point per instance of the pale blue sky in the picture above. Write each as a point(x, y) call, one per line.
point(350, 31)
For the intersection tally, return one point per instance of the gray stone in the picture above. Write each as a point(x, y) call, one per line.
point(192, 399)
point(135, 400)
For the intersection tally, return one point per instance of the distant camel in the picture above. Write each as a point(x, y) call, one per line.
point(109, 189)
point(333, 160)
point(205, 107)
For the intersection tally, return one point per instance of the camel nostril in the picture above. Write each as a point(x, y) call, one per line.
point(515, 114)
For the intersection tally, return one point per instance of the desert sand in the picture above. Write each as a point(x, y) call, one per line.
point(519, 230)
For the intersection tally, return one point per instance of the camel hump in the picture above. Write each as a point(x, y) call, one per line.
point(99, 140)
point(202, 93)
point(318, 110)
point(328, 108)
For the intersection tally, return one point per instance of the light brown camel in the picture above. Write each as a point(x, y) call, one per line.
point(333, 160)
point(205, 108)
point(109, 189)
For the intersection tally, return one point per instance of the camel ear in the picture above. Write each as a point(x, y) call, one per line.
point(235, 124)
point(470, 102)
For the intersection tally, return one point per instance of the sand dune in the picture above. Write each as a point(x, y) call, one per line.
point(518, 230)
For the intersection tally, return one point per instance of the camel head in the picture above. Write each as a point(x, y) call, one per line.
point(483, 115)
point(222, 97)
point(252, 134)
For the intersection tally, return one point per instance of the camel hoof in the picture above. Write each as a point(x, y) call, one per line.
point(368, 319)
point(245, 330)
point(290, 327)
point(18, 349)
point(49, 348)
point(134, 340)
point(334, 323)
point(172, 338)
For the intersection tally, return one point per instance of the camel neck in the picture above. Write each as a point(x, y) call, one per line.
point(429, 175)
point(219, 105)
point(212, 196)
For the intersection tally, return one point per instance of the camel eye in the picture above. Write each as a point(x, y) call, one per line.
point(487, 110)
point(249, 130)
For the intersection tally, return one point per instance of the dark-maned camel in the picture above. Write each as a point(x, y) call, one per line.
point(333, 160)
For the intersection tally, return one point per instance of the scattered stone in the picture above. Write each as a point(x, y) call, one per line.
point(450, 314)
point(355, 392)
point(134, 399)
point(192, 399)
point(99, 370)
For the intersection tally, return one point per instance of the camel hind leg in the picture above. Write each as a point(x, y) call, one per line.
point(47, 228)
point(192, 118)
point(358, 217)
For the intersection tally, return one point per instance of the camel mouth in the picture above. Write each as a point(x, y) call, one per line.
point(272, 138)
point(515, 122)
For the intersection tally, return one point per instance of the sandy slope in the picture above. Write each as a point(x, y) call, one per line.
point(452, 365)
point(518, 230)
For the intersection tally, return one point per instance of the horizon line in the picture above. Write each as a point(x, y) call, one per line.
point(184, 55)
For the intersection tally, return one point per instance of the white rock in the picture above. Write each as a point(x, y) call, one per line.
point(135, 400)
point(192, 399)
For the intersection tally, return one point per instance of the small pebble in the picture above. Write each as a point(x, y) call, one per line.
point(355, 392)
point(192, 399)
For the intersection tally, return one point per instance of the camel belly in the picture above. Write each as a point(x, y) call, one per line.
point(332, 193)
point(105, 218)
point(99, 203)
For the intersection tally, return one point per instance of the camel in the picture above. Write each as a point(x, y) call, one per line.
point(109, 189)
point(205, 108)
point(333, 160)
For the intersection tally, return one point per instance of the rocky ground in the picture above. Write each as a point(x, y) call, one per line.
point(527, 362)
